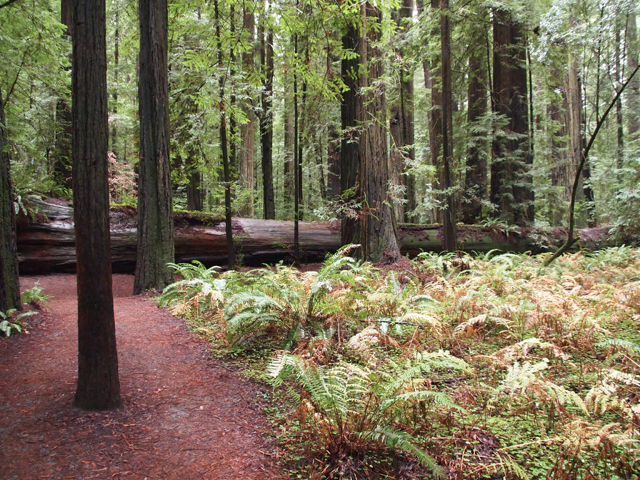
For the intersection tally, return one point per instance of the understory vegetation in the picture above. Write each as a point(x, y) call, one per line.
point(457, 367)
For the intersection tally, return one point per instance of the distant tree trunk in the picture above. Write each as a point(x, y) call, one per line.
point(476, 176)
point(333, 160)
point(9, 280)
point(378, 229)
point(289, 132)
point(449, 215)
point(116, 68)
point(155, 214)
point(619, 80)
point(511, 182)
point(63, 156)
point(98, 384)
point(247, 150)
point(432, 71)
point(350, 143)
point(633, 95)
point(401, 128)
point(194, 183)
point(266, 122)
point(300, 133)
point(231, 256)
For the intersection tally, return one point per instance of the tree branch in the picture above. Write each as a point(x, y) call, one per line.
point(570, 240)
point(7, 3)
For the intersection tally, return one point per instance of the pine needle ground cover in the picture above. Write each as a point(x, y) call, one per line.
point(460, 367)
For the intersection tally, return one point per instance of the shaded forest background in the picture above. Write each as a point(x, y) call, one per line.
point(520, 86)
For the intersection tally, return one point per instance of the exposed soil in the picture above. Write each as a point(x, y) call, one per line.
point(184, 416)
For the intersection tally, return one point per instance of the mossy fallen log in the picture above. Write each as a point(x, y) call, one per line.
point(50, 247)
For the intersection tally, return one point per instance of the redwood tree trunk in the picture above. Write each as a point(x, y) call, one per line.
point(155, 216)
point(247, 150)
point(63, 157)
point(476, 178)
point(511, 183)
point(9, 280)
point(633, 90)
point(378, 229)
point(266, 124)
point(98, 384)
point(350, 143)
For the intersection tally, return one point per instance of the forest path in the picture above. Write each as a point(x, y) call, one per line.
point(183, 416)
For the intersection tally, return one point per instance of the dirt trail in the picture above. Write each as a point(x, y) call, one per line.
point(184, 417)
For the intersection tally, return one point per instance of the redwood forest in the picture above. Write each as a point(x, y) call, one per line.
point(320, 239)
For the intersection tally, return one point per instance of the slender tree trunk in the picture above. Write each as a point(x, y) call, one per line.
point(378, 229)
point(98, 384)
point(266, 123)
point(289, 133)
point(432, 71)
point(401, 127)
point(619, 76)
point(297, 180)
point(116, 71)
point(224, 147)
point(155, 214)
point(247, 151)
point(9, 280)
point(63, 155)
point(333, 160)
point(449, 214)
point(476, 176)
point(194, 183)
point(633, 91)
point(350, 142)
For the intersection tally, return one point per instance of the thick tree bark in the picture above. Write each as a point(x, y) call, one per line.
point(350, 143)
point(401, 127)
point(247, 150)
point(378, 229)
point(98, 384)
point(155, 226)
point(511, 181)
point(476, 192)
point(266, 122)
point(9, 280)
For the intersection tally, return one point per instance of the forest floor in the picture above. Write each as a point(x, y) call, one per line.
point(184, 416)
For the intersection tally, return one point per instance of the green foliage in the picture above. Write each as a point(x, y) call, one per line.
point(34, 295)
point(11, 321)
point(348, 406)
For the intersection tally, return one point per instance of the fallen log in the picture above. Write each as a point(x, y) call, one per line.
point(50, 247)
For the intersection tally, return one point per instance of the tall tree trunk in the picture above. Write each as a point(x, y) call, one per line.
point(63, 155)
point(155, 214)
point(378, 229)
point(432, 71)
point(401, 127)
point(619, 80)
point(194, 183)
point(350, 142)
point(511, 182)
point(231, 256)
point(449, 214)
point(266, 121)
point(116, 71)
point(9, 280)
point(98, 384)
point(247, 151)
point(289, 132)
point(476, 175)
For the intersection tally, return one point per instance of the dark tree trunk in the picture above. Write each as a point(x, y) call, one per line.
point(449, 215)
point(224, 147)
point(401, 127)
point(350, 143)
point(9, 280)
point(289, 132)
point(116, 68)
point(378, 229)
point(63, 156)
point(476, 176)
point(266, 122)
point(432, 70)
point(98, 383)
point(194, 183)
point(247, 151)
point(511, 181)
point(155, 215)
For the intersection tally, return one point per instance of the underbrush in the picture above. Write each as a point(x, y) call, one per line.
point(463, 368)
